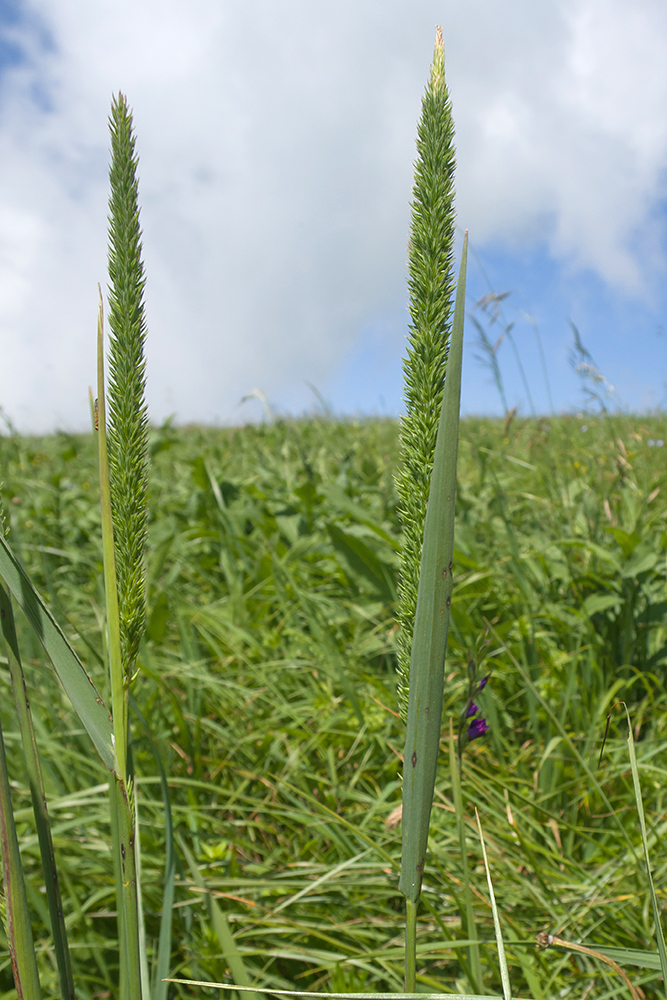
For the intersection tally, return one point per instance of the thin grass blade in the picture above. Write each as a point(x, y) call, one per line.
point(662, 951)
point(502, 959)
point(631, 956)
point(222, 931)
point(128, 930)
point(60, 946)
point(80, 689)
point(143, 953)
point(471, 927)
point(16, 914)
point(159, 986)
point(346, 996)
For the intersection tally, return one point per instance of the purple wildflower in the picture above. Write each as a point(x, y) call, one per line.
point(482, 683)
point(477, 728)
point(472, 709)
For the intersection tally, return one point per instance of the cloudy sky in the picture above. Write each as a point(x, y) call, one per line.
point(276, 144)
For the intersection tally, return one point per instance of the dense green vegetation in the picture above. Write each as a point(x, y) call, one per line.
point(268, 683)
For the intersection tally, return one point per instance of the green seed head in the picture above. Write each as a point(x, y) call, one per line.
point(431, 287)
point(128, 415)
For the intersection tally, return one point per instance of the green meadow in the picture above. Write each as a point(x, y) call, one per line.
point(228, 653)
point(266, 699)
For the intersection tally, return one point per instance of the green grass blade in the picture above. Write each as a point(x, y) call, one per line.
point(347, 996)
point(631, 956)
point(565, 735)
point(16, 915)
point(60, 946)
point(143, 955)
point(429, 644)
point(81, 691)
point(128, 933)
point(222, 930)
point(410, 946)
point(470, 925)
point(162, 965)
point(123, 991)
point(502, 959)
point(662, 951)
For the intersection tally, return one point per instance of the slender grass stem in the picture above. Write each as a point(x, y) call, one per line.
point(122, 825)
point(14, 900)
point(410, 945)
point(474, 962)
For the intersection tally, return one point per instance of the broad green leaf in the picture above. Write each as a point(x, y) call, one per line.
point(639, 563)
point(600, 602)
point(362, 560)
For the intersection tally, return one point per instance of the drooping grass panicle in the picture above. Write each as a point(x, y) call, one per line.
point(431, 286)
point(128, 415)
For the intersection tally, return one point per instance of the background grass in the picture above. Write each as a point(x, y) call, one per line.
point(268, 682)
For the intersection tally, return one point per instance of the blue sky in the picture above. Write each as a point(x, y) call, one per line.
point(623, 334)
point(276, 144)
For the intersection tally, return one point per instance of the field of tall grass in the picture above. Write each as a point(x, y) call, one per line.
point(267, 689)
point(228, 652)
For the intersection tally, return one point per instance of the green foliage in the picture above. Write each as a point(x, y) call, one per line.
point(431, 286)
point(276, 787)
point(128, 417)
point(429, 645)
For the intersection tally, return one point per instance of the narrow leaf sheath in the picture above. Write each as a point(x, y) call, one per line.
point(429, 644)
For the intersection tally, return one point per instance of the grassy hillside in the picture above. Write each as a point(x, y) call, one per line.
point(267, 681)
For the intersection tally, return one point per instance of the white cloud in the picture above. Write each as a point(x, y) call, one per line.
point(276, 145)
point(562, 131)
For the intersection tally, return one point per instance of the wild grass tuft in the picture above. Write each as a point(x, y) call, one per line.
point(275, 785)
point(267, 690)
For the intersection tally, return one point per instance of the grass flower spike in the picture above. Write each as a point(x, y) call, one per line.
point(128, 415)
point(431, 287)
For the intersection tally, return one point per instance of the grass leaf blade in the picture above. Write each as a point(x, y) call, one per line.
point(80, 689)
point(222, 931)
point(429, 644)
point(17, 915)
point(662, 951)
point(502, 958)
point(38, 797)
